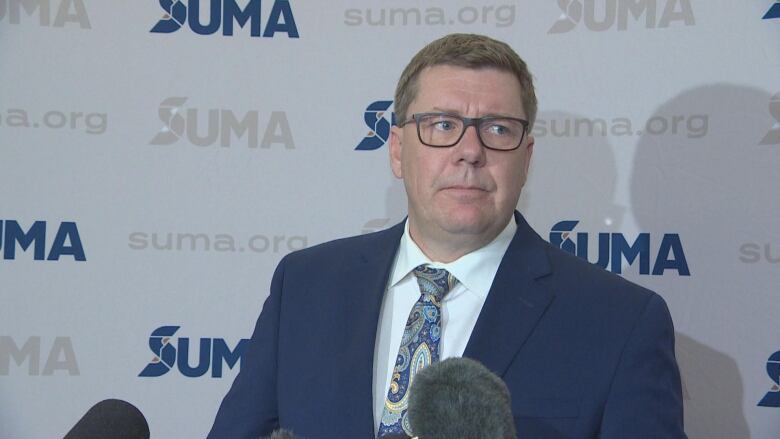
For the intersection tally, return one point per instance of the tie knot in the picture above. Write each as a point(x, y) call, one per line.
point(436, 282)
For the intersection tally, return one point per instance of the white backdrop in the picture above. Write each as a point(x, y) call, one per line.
point(184, 166)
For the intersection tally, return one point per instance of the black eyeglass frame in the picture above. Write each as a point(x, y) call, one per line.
point(476, 122)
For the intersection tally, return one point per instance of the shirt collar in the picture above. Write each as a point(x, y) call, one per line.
point(474, 270)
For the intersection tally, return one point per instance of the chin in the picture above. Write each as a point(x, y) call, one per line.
point(466, 225)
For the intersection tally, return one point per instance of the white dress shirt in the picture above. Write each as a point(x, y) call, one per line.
point(460, 308)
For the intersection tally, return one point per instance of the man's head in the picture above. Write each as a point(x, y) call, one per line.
point(462, 196)
point(470, 51)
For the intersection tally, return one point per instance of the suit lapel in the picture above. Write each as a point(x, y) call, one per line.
point(364, 283)
point(515, 303)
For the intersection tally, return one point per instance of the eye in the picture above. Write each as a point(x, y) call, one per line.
point(443, 125)
point(499, 128)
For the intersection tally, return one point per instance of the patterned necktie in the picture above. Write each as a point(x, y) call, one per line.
point(419, 346)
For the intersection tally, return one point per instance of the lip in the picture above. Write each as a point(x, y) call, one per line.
point(464, 192)
point(464, 188)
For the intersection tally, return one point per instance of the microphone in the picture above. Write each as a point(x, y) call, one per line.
point(283, 434)
point(112, 418)
point(459, 397)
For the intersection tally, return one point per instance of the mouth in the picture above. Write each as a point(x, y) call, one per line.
point(464, 192)
point(464, 187)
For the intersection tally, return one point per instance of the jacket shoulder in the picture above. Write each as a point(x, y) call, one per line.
point(346, 249)
point(587, 279)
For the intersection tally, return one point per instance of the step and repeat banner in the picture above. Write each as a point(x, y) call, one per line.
point(158, 158)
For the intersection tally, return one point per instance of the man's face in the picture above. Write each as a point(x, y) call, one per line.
point(465, 192)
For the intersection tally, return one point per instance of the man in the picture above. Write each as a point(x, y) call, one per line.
point(584, 353)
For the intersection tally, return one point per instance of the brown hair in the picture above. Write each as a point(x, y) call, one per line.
point(470, 51)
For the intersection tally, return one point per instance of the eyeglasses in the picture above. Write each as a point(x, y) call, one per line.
point(442, 130)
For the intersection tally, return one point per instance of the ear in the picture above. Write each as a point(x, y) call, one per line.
point(396, 147)
point(529, 150)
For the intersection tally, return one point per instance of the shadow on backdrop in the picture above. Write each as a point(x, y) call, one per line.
point(569, 149)
point(709, 179)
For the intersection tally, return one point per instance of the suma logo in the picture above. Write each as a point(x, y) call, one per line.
point(222, 126)
point(753, 252)
point(65, 11)
point(608, 13)
point(773, 136)
point(375, 225)
point(67, 241)
point(60, 356)
point(613, 249)
point(772, 398)
point(378, 125)
point(773, 12)
point(222, 14)
point(213, 351)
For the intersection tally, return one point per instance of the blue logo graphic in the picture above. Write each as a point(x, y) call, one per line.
point(378, 124)
point(772, 398)
point(67, 241)
point(222, 14)
point(773, 12)
point(613, 248)
point(211, 355)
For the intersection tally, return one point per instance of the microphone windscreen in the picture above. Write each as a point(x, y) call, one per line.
point(459, 397)
point(112, 418)
point(283, 434)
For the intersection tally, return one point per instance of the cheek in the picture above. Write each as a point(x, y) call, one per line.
point(522, 175)
point(410, 173)
point(511, 181)
point(421, 172)
point(414, 181)
point(421, 181)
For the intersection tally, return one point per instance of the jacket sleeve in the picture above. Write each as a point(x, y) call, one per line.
point(249, 410)
point(645, 397)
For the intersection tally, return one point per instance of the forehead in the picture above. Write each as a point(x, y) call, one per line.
point(472, 92)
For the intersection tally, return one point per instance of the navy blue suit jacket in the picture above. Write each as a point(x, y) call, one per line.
point(585, 353)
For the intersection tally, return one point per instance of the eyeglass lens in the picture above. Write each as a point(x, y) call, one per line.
point(446, 130)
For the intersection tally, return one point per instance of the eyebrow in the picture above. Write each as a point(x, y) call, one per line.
point(458, 113)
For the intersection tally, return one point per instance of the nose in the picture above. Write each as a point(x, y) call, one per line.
point(469, 149)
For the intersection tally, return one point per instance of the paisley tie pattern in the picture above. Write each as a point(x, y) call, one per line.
point(419, 346)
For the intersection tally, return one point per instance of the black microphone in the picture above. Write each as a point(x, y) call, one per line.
point(460, 398)
point(112, 418)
